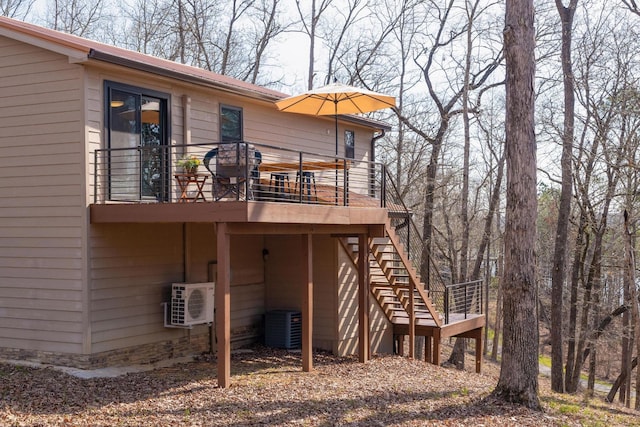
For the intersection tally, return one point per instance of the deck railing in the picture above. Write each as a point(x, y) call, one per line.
point(464, 299)
point(244, 171)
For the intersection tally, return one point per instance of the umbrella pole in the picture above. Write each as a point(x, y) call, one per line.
point(335, 104)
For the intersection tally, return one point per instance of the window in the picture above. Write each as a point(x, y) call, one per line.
point(230, 123)
point(137, 131)
point(349, 144)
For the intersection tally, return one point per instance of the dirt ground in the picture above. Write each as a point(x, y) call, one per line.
point(269, 388)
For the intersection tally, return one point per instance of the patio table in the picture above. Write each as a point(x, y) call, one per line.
point(306, 166)
point(184, 180)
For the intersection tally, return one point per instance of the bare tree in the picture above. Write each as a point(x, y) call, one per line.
point(266, 27)
point(632, 5)
point(18, 9)
point(562, 235)
point(77, 17)
point(336, 32)
point(146, 23)
point(518, 380)
point(310, 26)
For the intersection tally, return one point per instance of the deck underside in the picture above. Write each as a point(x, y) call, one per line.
point(234, 212)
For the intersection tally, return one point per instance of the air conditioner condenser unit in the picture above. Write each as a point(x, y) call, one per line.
point(192, 303)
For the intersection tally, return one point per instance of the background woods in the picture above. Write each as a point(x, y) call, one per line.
point(445, 63)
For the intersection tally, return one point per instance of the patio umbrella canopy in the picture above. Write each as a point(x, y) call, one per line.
point(334, 99)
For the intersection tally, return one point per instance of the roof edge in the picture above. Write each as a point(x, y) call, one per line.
point(177, 75)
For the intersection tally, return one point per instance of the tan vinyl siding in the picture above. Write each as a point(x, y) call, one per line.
point(134, 265)
point(284, 283)
point(41, 201)
point(324, 292)
point(381, 330)
point(247, 275)
point(132, 268)
point(204, 118)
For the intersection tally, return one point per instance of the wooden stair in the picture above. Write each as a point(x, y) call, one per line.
point(396, 286)
point(394, 282)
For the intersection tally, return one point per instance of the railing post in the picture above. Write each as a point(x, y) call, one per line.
point(383, 187)
point(345, 185)
point(446, 305)
point(95, 177)
point(466, 304)
point(247, 178)
point(299, 180)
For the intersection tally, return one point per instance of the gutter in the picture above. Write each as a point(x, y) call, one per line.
point(373, 142)
point(372, 172)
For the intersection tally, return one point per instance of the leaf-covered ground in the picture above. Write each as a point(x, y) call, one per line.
point(269, 388)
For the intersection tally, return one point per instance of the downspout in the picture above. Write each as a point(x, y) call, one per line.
point(372, 171)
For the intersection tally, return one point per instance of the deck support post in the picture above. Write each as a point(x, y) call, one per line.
point(223, 305)
point(412, 321)
point(307, 302)
point(427, 349)
point(436, 347)
point(478, 337)
point(400, 344)
point(364, 346)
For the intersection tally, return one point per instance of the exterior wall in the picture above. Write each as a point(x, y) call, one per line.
point(283, 283)
point(381, 331)
point(247, 277)
point(42, 211)
point(133, 267)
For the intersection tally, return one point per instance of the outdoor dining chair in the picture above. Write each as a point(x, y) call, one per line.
point(230, 171)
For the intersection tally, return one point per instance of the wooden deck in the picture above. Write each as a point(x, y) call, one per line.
point(457, 325)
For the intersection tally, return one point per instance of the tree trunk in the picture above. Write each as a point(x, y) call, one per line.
point(591, 380)
point(497, 326)
point(518, 382)
point(620, 381)
point(626, 353)
point(630, 278)
point(560, 251)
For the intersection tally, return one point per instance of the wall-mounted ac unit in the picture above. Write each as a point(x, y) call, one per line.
point(192, 303)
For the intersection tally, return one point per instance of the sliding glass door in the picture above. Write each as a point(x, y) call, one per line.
point(137, 132)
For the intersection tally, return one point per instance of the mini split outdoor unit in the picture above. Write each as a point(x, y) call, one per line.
point(192, 303)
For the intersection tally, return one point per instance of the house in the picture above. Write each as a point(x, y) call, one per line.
point(99, 218)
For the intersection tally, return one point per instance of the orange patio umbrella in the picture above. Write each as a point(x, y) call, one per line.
point(334, 99)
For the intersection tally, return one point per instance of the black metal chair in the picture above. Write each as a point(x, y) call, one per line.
point(230, 171)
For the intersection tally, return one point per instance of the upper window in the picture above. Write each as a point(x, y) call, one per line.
point(230, 123)
point(349, 144)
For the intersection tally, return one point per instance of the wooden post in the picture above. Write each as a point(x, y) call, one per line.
point(412, 321)
point(364, 346)
point(427, 349)
point(307, 302)
point(436, 347)
point(478, 337)
point(223, 306)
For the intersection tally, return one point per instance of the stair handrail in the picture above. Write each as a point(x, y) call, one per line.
point(412, 238)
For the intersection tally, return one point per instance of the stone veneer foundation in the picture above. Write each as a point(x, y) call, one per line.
point(142, 354)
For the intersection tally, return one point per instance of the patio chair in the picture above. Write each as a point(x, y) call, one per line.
point(230, 170)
